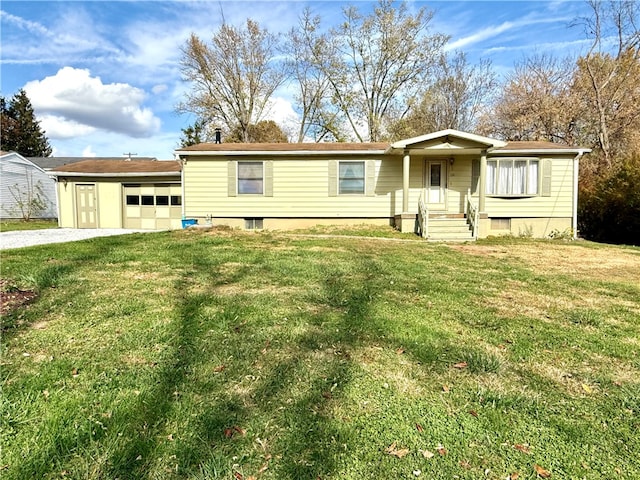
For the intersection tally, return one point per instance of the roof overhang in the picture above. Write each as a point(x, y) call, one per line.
point(540, 151)
point(445, 142)
point(112, 175)
point(266, 153)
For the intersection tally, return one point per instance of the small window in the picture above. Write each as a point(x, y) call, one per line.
point(351, 178)
point(253, 223)
point(176, 199)
point(500, 224)
point(250, 178)
point(147, 199)
point(512, 177)
point(133, 200)
point(162, 200)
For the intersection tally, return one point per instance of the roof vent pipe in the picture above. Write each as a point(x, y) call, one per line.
point(218, 136)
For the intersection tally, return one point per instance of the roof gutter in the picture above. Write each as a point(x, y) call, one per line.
point(226, 153)
point(120, 174)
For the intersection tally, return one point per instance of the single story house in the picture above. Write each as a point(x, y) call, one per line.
point(26, 190)
point(141, 194)
point(443, 185)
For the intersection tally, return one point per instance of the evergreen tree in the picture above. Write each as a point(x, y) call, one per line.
point(20, 130)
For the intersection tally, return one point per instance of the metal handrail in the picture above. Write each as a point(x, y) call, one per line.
point(423, 216)
point(472, 212)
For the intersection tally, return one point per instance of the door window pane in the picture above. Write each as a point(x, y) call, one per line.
point(435, 174)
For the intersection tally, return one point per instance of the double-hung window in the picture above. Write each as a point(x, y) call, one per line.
point(351, 178)
point(513, 177)
point(250, 178)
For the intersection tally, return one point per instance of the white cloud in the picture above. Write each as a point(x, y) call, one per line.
point(495, 30)
point(59, 127)
point(88, 152)
point(156, 89)
point(77, 98)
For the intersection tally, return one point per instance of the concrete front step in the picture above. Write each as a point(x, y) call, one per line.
point(449, 230)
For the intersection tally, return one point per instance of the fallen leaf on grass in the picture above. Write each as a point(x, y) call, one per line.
point(219, 368)
point(473, 413)
point(441, 450)
point(427, 453)
point(238, 476)
point(522, 448)
point(460, 365)
point(400, 351)
point(445, 389)
point(587, 388)
point(74, 372)
point(392, 450)
point(419, 428)
point(465, 464)
point(513, 476)
point(541, 471)
point(230, 432)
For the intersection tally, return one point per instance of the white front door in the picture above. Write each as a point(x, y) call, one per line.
point(435, 183)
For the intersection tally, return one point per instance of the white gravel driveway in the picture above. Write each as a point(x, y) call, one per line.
point(27, 238)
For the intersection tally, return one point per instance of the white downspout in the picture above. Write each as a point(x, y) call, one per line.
point(576, 166)
point(183, 161)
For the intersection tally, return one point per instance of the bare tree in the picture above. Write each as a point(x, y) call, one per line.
point(376, 64)
point(304, 46)
point(460, 93)
point(233, 77)
point(536, 103)
point(612, 71)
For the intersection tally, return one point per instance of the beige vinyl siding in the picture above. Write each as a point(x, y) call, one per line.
point(300, 189)
point(66, 205)
point(110, 202)
point(557, 204)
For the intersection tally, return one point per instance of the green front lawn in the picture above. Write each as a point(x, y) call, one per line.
point(11, 225)
point(196, 354)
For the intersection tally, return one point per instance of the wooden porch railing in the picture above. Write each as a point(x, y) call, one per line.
point(471, 210)
point(423, 216)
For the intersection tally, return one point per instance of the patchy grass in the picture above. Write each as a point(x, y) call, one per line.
point(224, 354)
point(12, 225)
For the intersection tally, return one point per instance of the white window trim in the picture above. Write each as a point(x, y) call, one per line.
point(364, 178)
point(512, 160)
point(238, 179)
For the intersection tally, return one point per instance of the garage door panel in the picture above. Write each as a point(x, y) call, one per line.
point(153, 207)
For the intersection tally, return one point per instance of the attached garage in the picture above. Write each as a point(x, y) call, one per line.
point(142, 194)
point(155, 206)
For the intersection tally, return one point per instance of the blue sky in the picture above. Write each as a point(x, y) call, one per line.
point(104, 76)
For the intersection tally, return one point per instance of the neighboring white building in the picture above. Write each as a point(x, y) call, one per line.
point(22, 183)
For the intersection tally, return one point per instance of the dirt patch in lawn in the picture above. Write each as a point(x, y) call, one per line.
point(601, 264)
point(12, 298)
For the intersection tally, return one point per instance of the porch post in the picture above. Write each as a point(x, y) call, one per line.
point(406, 163)
point(482, 181)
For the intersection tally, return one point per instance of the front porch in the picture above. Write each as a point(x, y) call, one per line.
point(451, 199)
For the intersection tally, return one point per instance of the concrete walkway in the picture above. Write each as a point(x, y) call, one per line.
point(27, 238)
